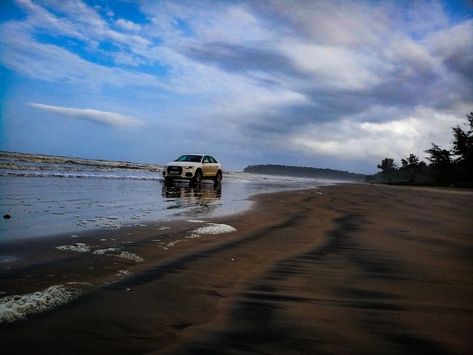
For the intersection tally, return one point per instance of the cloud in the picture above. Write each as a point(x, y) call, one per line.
point(104, 118)
point(334, 66)
point(49, 62)
point(128, 25)
point(335, 23)
point(397, 138)
point(78, 20)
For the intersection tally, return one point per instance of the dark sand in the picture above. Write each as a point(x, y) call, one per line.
point(356, 269)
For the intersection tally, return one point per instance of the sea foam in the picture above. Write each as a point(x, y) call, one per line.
point(78, 247)
point(130, 256)
point(17, 307)
point(117, 252)
point(214, 228)
point(106, 251)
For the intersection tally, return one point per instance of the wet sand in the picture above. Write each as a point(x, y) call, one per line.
point(343, 269)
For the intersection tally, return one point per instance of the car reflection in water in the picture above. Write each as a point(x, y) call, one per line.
point(199, 198)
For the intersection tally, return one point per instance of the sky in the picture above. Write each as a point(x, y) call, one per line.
point(329, 84)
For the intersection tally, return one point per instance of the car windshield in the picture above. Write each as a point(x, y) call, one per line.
point(191, 158)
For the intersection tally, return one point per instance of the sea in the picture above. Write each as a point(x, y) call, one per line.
point(43, 195)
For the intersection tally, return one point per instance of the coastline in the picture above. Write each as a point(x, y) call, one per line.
point(346, 268)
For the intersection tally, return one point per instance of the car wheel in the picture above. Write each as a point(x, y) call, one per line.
point(218, 177)
point(197, 177)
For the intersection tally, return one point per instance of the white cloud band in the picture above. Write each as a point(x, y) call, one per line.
point(105, 118)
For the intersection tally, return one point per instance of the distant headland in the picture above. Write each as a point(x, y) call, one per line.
point(298, 171)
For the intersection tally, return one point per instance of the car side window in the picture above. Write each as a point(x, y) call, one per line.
point(206, 160)
point(212, 160)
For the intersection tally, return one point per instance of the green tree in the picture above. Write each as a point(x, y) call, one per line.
point(441, 162)
point(463, 149)
point(388, 169)
point(387, 165)
point(412, 165)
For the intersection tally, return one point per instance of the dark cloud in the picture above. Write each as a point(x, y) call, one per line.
point(239, 58)
point(461, 63)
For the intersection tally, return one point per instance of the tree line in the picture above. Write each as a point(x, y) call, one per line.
point(443, 167)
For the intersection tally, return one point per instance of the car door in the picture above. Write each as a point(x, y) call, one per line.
point(206, 166)
point(214, 164)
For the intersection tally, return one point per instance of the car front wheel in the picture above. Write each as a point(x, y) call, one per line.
point(218, 177)
point(197, 177)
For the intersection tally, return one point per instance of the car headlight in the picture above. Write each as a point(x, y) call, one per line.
point(189, 167)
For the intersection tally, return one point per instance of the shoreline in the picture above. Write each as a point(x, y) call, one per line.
point(29, 252)
point(334, 269)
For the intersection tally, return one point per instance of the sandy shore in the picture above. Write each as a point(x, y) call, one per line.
point(344, 269)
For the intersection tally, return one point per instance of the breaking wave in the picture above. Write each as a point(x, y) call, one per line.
point(33, 165)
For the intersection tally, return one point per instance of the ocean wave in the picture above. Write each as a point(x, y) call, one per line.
point(31, 165)
point(55, 174)
point(21, 159)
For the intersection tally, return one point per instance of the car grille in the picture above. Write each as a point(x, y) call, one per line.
point(174, 170)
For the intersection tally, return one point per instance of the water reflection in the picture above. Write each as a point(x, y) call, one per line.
point(184, 195)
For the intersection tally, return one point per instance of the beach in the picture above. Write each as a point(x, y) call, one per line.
point(350, 268)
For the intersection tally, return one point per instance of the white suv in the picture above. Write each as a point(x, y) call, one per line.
point(194, 167)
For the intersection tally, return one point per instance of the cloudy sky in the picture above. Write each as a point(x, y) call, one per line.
point(338, 84)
